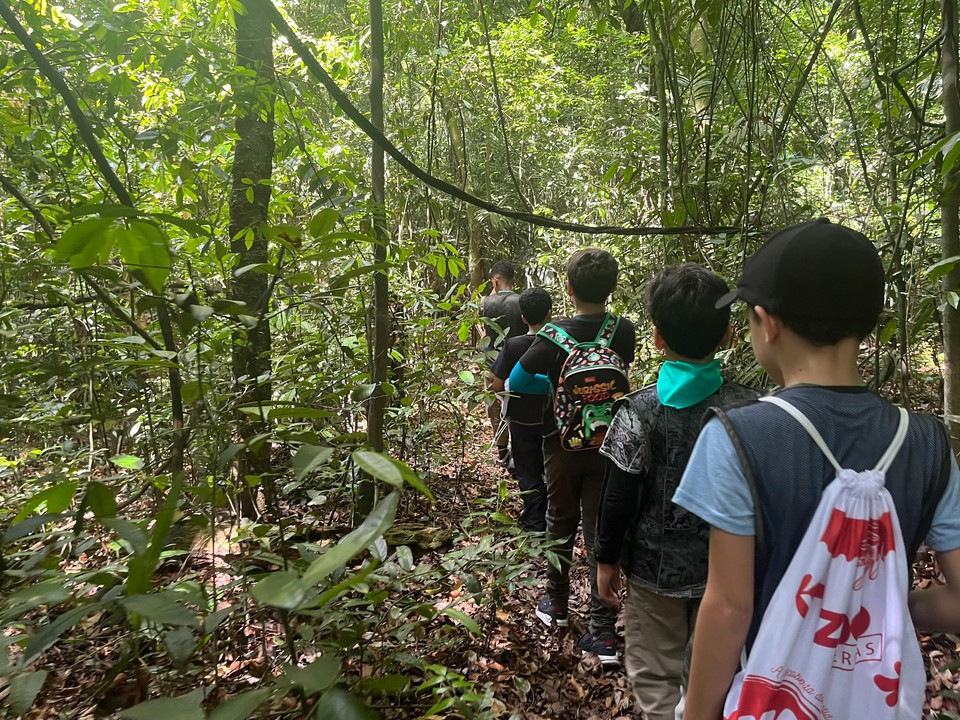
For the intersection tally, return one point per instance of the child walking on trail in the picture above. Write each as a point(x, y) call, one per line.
point(524, 412)
point(661, 548)
point(501, 319)
point(814, 291)
point(574, 479)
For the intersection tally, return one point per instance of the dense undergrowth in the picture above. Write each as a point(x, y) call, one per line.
point(432, 618)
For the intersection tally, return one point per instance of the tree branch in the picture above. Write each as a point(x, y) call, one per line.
point(359, 119)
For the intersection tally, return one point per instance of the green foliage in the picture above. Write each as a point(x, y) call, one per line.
point(633, 113)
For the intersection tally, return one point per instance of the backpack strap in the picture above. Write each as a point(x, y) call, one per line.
point(760, 543)
point(607, 330)
point(886, 460)
point(890, 455)
point(559, 336)
point(807, 425)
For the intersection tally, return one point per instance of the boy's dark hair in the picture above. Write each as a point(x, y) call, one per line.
point(822, 332)
point(592, 274)
point(681, 301)
point(504, 269)
point(535, 303)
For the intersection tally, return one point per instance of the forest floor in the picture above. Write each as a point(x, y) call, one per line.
point(533, 672)
point(565, 686)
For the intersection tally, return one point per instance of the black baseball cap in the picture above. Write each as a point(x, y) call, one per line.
point(816, 269)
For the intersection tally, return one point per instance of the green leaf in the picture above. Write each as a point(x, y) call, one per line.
point(240, 706)
point(185, 707)
point(85, 243)
point(192, 390)
point(24, 689)
point(316, 677)
point(48, 634)
point(468, 622)
point(54, 499)
point(141, 567)
point(145, 250)
point(130, 532)
point(379, 466)
point(413, 479)
point(323, 222)
point(951, 151)
point(280, 589)
point(180, 643)
point(340, 704)
point(954, 299)
point(25, 527)
point(212, 621)
point(128, 462)
point(939, 269)
point(384, 684)
point(440, 706)
point(161, 608)
point(468, 377)
point(308, 458)
point(375, 524)
point(48, 592)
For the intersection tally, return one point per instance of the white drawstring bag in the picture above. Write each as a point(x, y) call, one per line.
point(837, 641)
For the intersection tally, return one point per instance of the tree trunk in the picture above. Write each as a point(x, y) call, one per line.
point(377, 404)
point(461, 170)
point(950, 228)
point(249, 213)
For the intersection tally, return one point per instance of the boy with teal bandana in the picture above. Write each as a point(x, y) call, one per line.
point(661, 548)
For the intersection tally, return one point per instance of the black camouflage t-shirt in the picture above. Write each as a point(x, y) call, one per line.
point(659, 545)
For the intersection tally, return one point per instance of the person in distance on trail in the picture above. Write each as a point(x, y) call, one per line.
point(575, 419)
point(502, 319)
point(814, 291)
point(661, 548)
point(524, 412)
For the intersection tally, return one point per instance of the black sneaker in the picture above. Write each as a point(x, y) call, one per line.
point(604, 646)
point(550, 611)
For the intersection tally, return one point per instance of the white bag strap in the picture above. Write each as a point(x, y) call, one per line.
point(888, 457)
point(885, 461)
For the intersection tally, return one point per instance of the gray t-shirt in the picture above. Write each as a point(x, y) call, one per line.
point(502, 319)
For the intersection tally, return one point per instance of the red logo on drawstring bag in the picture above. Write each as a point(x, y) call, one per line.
point(765, 699)
point(866, 541)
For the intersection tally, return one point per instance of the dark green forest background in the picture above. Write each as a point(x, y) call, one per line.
point(228, 312)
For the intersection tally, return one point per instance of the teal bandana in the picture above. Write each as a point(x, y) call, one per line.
point(682, 384)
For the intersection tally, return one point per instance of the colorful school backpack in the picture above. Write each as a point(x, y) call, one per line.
point(837, 640)
point(593, 377)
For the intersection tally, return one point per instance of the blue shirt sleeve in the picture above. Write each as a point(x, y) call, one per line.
point(944, 532)
point(521, 381)
point(713, 486)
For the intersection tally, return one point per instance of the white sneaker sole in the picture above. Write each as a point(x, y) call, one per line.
point(605, 660)
point(550, 621)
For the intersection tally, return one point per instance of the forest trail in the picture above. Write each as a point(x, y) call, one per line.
point(526, 670)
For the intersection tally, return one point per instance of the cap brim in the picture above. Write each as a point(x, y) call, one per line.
point(726, 300)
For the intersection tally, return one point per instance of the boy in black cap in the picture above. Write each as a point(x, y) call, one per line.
point(814, 291)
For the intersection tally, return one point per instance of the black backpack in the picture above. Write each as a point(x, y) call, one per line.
point(593, 377)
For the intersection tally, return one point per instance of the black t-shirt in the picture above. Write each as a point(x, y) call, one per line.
point(502, 319)
point(545, 357)
point(522, 408)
